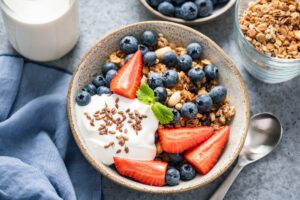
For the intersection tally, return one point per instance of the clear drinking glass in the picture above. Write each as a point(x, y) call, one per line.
point(262, 66)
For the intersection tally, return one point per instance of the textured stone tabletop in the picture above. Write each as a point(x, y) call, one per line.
point(277, 177)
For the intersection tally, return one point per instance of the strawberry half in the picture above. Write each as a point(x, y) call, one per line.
point(176, 140)
point(128, 79)
point(147, 172)
point(205, 156)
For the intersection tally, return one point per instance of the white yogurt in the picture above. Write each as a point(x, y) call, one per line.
point(41, 30)
point(141, 146)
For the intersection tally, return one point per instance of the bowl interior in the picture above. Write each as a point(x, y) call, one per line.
point(218, 11)
point(229, 76)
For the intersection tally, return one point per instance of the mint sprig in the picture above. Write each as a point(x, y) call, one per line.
point(146, 95)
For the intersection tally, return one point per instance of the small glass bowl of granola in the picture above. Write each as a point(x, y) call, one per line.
point(267, 33)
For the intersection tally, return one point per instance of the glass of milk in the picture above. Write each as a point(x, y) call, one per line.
point(41, 30)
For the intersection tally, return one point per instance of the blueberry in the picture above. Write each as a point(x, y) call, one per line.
point(109, 76)
point(149, 58)
point(91, 89)
point(184, 62)
point(189, 110)
point(170, 78)
point(108, 66)
point(128, 57)
point(103, 90)
point(211, 72)
point(178, 2)
point(160, 94)
point(83, 98)
point(176, 116)
point(129, 44)
point(169, 59)
point(205, 7)
point(176, 158)
point(196, 74)
point(218, 94)
point(154, 3)
point(156, 138)
point(187, 172)
point(172, 177)
point(155, 80)
point(193, 88)
point(166, 8)
point(204, 103)
point(149, 38)
point(143, 48)
point(189, 11)
point(177, 12)
point(194, 50)
point(216, 1)
point(99, 81)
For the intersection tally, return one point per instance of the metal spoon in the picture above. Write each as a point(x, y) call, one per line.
point(263, 136)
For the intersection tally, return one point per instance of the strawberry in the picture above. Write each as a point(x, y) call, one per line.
point(147, 172)
point(176, 140)
point(128, 79)
point(205, 156)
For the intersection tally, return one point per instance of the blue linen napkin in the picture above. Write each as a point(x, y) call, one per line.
point(38, 156)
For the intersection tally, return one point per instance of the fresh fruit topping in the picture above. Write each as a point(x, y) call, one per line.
point(172, 176)
point(146, 95)
point(177, 140)
point(128, 57)
point(99, 81)
point(103, 90)
point(185, 62)
point(166, 8)
point(177, 12)
point(176, 116)
point(196, 74)
point(211, 72)
point(178, 2)
point(169, 59)
point(107, 67)
point(83, 98)
point(205, 7)
point(146, 172)
point(194, 50)
point(218, 94)
point(160, 94)
point(204, 103)
point(110, 75)
point(155, 80)
point(170, 78)
point(149, 58)
point(143, 48)
point(189, 11)
point(90, 88)
point(128, 79)
point(149, 38)
point(187, 172)
point(205, 156)
point(129, 44)
point(154, 3)
point(189, 110)
point(176, 158)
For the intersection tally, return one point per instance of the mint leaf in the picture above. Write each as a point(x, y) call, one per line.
point(145, 94)
point(162, 113)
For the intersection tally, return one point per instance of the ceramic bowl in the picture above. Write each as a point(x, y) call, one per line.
point(218, 11)
point(229, 77)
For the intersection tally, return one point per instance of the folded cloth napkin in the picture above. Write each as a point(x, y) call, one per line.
point(38, 156)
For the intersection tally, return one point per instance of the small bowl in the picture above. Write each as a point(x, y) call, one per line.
point(262, 66)
point(220, 10)
point(230, 77)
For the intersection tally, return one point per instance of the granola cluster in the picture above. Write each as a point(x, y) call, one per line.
point(273, 27)
point(185, 90)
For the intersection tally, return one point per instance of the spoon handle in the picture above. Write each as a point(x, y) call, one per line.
point(224, 187)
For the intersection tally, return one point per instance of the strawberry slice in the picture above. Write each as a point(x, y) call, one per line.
point(205, 156)
point(147, 172)
point(128, 79)
point(176, 140)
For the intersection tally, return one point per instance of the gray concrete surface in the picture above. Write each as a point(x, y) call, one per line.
point(274, 178)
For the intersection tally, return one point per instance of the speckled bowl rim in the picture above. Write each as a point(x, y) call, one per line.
point(145, 188)
point(198, 21)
